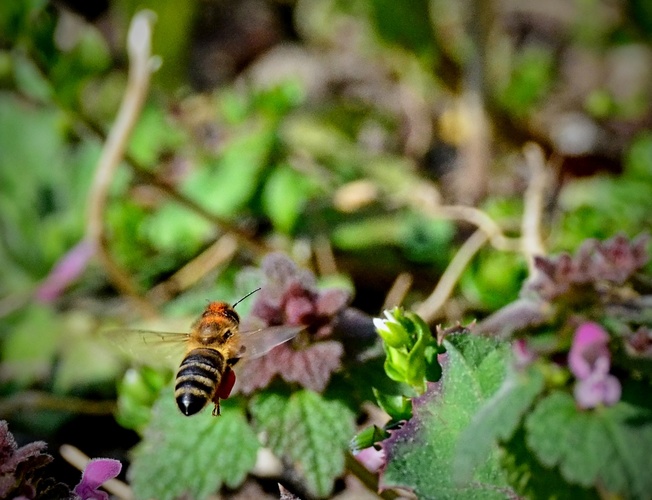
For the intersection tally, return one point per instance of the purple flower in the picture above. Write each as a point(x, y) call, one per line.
point(98, 471)
point(523, 355)
point(589, 359)
point(598, 388)
point(66, 271)
point(371, 458)
point(589, 345)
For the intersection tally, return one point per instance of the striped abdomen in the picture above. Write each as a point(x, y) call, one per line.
point(198, 378)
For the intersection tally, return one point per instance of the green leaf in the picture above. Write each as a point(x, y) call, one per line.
point(192, 456)
point(153, 135)
point(397, 406)
point(24, 360)
point(531, 479)
point(137, 393)
point(286, 192)
point(30, 80)
point(225, 185)
point(173, 229)
point(530, 80)
point(420, 455)
point(607, 447)
point(638, 160)
point(496, 420)
point(405, 23)
point(312, 431)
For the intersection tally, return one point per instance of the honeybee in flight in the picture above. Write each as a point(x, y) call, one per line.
point(213, 346)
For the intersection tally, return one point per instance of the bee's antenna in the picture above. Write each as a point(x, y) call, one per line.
point(250, 293)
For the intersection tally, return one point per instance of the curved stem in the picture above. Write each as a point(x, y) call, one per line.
point(140, 69)
point(429, 308)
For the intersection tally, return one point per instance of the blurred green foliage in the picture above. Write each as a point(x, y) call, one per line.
point(331, 163)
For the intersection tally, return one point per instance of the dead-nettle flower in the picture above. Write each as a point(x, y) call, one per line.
point(96, 473)
point(289, 296)
point(589, 360)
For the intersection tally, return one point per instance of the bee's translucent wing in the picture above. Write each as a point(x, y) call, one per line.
point(147, 347)
point(259, 342)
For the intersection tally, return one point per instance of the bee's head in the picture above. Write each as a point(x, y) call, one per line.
point(218, 323)
point(221, 309)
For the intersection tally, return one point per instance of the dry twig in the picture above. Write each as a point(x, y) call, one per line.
point(217, 254)
point(429, 308)
point(141, 67)
point(532, 244)
point(398, 291)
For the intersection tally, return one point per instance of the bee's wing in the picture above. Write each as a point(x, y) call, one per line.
point(148, 347)
point(259, 342)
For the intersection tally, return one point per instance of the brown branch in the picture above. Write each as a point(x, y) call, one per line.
point(398, 291)
point(140, 69)
point(426, 200)
point(35, 400)
point(533, 203)
point(217, 254)
point(429, 308)
point(243, 237)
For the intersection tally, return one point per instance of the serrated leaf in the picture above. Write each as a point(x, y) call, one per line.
point(420, 454)
point(311, 367)
point(308, 429)
point(607, 447)
point(192, 456)
point(531, 479)
point(496, 420)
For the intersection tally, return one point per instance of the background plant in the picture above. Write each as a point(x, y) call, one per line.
point(350, 157)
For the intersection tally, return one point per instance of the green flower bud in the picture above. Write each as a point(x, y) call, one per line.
point(367, 437)
point(391, 330)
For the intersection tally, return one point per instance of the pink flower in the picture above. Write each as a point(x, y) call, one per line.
point(371, 458)
point(523, 355)
point(598, 388)
point(589, 345)
point(98, 471)
point(589, 359)
point(66, 271)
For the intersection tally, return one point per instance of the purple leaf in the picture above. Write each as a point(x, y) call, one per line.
point(311, 367)
point(614, 260)
point(289, 296)
point(21, 468)
point(640, 343)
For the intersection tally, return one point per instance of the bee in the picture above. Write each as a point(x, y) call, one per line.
point(213, 346)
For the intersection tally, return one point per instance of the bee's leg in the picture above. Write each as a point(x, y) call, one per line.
point(216, 408)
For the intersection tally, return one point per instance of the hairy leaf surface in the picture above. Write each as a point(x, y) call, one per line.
point(420, 455)
point(496, 420)
point(606, 446)
point(192, 456)
point(309, 429)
